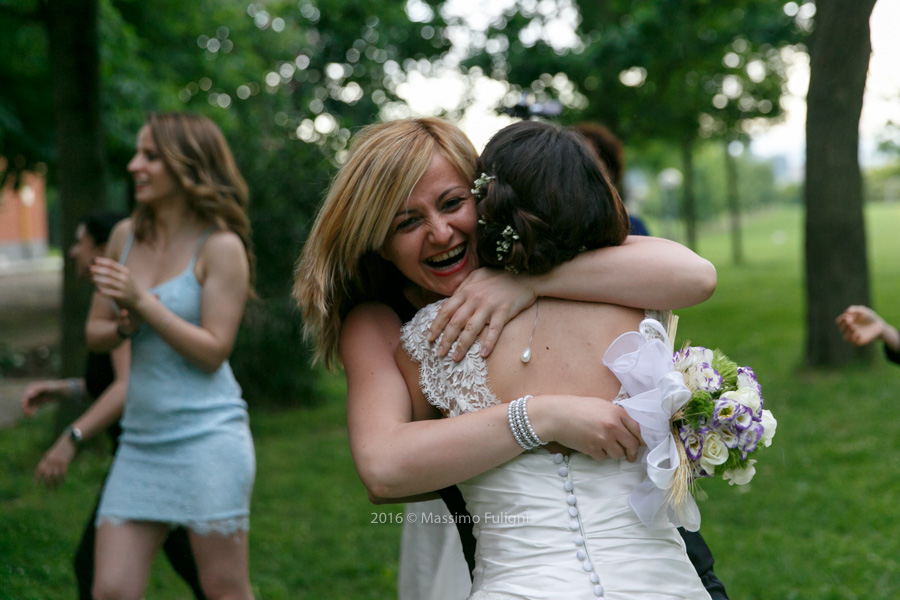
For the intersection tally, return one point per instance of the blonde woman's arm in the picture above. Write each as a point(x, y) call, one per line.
point(644, 272)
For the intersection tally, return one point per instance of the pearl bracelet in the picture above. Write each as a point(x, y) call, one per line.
point(520, 425)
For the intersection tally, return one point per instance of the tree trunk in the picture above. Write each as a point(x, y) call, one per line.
point(689, 209)
point(75, 63)
point(734, 207)
point(836, 268)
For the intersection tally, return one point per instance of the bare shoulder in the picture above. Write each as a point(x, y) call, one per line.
point(369, 329)
point(371, 318)
point(223, 242)
point(117, 238)
point(224, 250)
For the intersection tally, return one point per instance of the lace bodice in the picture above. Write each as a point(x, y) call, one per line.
point(453, 387)
point(460, 387)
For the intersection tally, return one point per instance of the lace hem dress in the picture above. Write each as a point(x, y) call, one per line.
point(186, 455)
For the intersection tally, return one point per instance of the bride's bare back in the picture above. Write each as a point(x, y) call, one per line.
point(566, 352)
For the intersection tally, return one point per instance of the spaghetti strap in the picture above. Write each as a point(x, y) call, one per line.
point(209, 231)
point(124, 256)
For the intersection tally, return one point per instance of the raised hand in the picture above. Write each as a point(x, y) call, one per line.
point(488, 298)
point(860, 325)
point(40, 393)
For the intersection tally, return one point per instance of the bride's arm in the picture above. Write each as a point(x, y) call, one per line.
point(396, 456)
point(644, 272)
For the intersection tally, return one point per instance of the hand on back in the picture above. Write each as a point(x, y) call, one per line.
point(481, 306)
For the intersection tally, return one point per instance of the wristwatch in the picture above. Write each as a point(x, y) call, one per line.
point(75, 435)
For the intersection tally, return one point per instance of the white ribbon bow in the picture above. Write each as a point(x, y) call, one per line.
point(656, 392)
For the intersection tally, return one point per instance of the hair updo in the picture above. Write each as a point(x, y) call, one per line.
point(549, 199)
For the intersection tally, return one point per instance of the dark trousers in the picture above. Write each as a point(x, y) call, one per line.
point(702, 559)
point(177, 548)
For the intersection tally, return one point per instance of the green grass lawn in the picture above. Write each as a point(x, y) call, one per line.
point(819, 521)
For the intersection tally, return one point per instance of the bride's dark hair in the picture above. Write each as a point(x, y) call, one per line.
point(549, 199)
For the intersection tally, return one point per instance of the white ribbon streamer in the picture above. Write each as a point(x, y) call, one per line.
point(656, 392)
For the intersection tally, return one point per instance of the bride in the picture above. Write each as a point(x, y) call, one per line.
point(550, 523)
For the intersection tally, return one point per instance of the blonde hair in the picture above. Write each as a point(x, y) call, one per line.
point(339, 266)
point(196, 153)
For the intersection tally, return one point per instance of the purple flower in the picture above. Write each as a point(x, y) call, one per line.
point(726, 409)
point(749, 438)
point(747, 378)
point(729, 436)
point(693, 443)
point(743, 418)
point(702, 376)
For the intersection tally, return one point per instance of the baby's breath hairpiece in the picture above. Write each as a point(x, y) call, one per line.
point(480, 189)
point(503, 246)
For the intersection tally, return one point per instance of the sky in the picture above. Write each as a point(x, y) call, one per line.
point(881, 102)
point(785, 139)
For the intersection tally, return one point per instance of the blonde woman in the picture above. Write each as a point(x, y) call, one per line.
point(412, 179)
point(175, 283)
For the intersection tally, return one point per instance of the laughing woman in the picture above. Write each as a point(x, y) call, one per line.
point(176, 283)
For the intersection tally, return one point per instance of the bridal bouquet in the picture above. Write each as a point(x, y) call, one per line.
point(724, 422)
point(700, 416)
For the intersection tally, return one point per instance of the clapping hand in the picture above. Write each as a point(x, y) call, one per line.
point(114, 281)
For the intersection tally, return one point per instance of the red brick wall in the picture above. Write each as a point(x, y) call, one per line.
point(21, 221)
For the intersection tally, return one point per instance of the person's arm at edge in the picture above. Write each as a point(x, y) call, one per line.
point(107, 408)
point(105, 411)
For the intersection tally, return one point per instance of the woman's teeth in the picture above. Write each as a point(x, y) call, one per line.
point(447, 258)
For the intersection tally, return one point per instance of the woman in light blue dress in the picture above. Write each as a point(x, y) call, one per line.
point(176, 280)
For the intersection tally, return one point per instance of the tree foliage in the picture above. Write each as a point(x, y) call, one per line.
point(670, 71)
point(287, 82)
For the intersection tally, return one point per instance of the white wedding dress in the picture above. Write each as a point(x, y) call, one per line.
point(550, 526)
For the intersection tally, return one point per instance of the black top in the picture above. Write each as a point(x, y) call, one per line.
point(99, 375)
point(892, 355)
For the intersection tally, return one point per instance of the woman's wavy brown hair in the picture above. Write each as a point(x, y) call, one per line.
point(196, 153)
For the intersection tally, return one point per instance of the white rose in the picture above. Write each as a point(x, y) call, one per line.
point(740, 476)
point(714, 452)
point(769, 425)
point(748, 397)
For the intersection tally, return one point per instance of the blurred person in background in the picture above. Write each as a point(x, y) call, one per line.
point(104, 384)
point(175, 282)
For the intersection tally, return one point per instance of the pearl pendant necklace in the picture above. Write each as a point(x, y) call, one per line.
point(526, 355)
